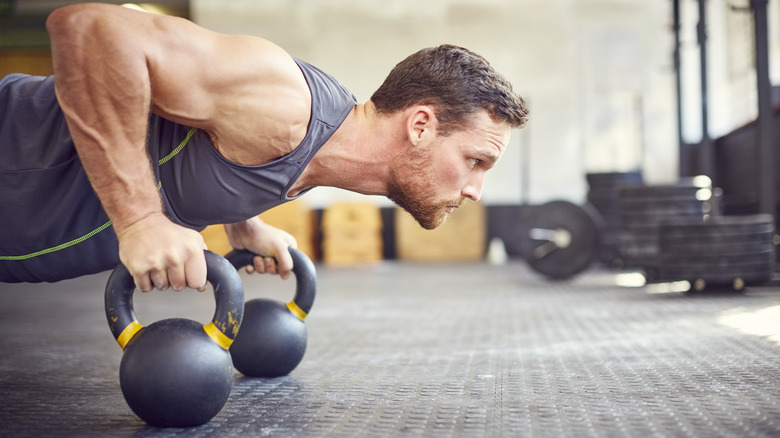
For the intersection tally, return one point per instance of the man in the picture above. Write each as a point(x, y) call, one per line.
point(232, 126)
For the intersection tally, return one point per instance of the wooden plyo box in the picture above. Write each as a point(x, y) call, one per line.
point(295, 217)
point(461, 238)
point(216, 239)
point(298, 219)
point(352, 234)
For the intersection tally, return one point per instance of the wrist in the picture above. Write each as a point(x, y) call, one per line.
point(128, 226)
point(248, 226)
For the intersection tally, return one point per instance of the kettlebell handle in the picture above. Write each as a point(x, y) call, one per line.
point(228, 293)
point(305, 278)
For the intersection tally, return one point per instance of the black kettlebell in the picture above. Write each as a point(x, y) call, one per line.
point(272, 339)
point(176, 372)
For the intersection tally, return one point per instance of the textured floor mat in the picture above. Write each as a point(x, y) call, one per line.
point(415, 350)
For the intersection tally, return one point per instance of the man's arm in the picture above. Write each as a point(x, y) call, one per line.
point(112, 66)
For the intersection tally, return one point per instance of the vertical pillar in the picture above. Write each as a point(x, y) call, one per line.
point(684, 166)
point(765, 146)
point(706, 147)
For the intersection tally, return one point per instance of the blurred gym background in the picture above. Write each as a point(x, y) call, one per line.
point(614, 86)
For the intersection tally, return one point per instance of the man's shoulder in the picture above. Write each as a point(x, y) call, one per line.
point(330, 98)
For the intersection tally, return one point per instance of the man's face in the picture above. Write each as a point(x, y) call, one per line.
point(430, 180)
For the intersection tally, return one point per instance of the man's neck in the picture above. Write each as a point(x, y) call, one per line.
point(357, 157)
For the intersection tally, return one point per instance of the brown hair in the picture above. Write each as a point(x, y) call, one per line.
point(456, 82)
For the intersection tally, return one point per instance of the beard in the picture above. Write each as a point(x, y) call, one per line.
point(411, 187)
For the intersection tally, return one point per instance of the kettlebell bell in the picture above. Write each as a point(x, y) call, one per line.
point(272, 339)
point(176, 372)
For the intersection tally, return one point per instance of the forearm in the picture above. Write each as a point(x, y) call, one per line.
point(106, 100)
point(240, 232)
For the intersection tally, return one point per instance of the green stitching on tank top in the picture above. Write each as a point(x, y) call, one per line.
point(178, 149)
point(59, 247)
point(105, 225)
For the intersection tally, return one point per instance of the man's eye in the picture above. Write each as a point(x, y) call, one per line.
point(474, 162)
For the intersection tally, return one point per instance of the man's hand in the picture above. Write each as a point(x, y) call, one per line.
point(268, 242)
point(160, 254)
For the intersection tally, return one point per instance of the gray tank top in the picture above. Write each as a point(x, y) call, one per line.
point(201, 187)
point(53, 226)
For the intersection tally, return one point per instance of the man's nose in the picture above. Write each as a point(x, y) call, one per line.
point(473, 188)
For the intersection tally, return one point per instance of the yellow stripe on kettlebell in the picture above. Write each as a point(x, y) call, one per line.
point(297, 311)
point(217, 336)
point(128, 333)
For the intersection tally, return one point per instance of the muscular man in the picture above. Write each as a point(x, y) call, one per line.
point(232, 126)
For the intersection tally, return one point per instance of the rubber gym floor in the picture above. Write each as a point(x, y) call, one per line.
point(426, 350)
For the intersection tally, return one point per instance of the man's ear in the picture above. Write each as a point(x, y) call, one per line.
point(420, 123)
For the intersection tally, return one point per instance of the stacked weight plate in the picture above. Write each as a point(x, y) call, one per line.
point(725, 251)
point(642, 209)
point(603, 196)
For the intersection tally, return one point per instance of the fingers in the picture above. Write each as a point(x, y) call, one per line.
point(193, 275)
point(282, 264)
point(176, 272)
point(195, 270)
point(176, 277)
point(285, 264)
point(143, 282)
point(161, 255)
point(263, 265)
point(160, 280)
point(270, 265)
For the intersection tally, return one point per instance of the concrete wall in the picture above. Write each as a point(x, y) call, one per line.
point(598, 74)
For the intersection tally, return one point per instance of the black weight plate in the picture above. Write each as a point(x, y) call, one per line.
point(704, 270)
point(680, 239)
point(676, 187)
point(715, 234)
point(637, 253)
point(611, 179)
point(604, 204)
point(604, 207)
point(604, 192)
point(583, 225)
point(652, 204)
point(720, 225)
point(639, 234)
point(658, 192)
point(657, 216)
point(753, 266)
point(649, 221)
point(735, 220)
point(703, 250)
point(634, 194)
point(602, 197)
point(612, 211)
point(722, 262)
point(750, 274)
point(716, 260)
point(638, 226)
point(749, 245)
point(638, 250)
point(717, 279)
point(611, 226)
